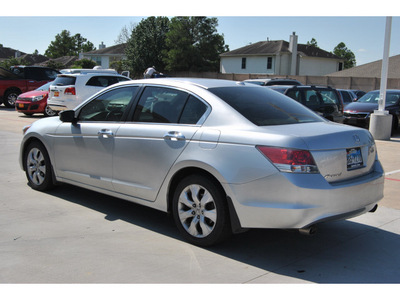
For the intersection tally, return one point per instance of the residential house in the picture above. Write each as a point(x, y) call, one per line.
point(280, 58)
point(104, 56)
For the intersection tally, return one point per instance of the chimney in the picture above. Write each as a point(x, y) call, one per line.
point(102, 46)
point(293, 49)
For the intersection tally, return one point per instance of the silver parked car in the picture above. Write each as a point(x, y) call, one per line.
point(222, 156)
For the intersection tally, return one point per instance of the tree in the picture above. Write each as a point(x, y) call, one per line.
point(7, 63)
point(125, 34)
point(145, 45)
point(67, 45)
point(343, 52)
point(193, 44)
point(84, 63)
point(313, 42)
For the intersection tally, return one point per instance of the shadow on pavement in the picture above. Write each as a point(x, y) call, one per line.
point(341, 252)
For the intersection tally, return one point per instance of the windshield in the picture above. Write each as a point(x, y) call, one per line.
point(45, 87)
point(263, 107)
point(373, 97)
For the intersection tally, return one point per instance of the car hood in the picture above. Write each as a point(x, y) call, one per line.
point(32, 94)
point(364, 107)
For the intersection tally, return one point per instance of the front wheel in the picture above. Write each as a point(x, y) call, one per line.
point(200, 211)
point(38, 167)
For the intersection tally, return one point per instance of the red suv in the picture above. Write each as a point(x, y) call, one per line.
point(21, 79)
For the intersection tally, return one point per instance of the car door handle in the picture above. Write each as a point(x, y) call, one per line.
point(105, 133)
point(174, 136)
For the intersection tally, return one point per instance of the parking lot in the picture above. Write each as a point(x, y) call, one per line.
point(71, 235)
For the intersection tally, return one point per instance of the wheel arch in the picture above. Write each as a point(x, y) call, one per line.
point(185, 172)
point(25, 145)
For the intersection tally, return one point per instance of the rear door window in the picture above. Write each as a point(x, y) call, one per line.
point(166, 105)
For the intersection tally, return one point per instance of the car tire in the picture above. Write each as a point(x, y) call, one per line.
point(200, 211)
point(48, 112)
point(10, 97)
point(38, 167)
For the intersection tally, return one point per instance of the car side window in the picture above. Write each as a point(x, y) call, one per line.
point(346, 97)
point(160, 105)
point(109, 106)
point(193, 111)
point(312, 98)
point(294, 95)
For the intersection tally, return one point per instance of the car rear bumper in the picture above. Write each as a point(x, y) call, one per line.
point(289, 201)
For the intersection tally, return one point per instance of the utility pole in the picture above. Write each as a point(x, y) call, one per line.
point(381, 121)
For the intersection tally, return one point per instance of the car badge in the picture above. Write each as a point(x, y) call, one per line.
point(356, 139)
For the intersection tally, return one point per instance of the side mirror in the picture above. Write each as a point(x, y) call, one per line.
point(68, 116)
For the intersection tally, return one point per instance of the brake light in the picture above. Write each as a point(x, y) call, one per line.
point(70, 91)
point(290, 160)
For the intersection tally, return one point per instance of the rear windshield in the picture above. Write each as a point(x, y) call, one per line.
point(64, 80)
point(264, 107)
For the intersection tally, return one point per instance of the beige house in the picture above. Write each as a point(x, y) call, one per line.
point(280, 58)
point(104, 56)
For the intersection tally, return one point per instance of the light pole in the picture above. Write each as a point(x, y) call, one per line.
point(381, 121)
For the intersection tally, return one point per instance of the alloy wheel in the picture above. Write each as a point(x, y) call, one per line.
point(197, 211)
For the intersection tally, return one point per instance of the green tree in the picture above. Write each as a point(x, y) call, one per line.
point(67, 45)
point(313, 42)
point(7, 63)
point(145, 45)
point(343, 52)
point(193, 44)
point(84, 63)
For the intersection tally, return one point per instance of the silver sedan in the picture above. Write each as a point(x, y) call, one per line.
point(222, 156)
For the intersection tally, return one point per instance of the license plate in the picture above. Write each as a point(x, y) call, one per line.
point(354, 158)
point(56, 94)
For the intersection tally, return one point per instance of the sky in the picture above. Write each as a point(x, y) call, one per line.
point(33, 28)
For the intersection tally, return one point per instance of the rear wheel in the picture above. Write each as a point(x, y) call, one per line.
point(38, 167)
point(48, 112)
point(10, 97)
point(200, 211)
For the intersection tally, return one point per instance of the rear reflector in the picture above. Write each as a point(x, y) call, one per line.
point(290, 160)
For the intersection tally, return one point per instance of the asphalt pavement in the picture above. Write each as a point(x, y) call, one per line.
point(72, 235)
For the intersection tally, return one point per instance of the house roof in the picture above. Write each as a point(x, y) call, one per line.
point(113, 50)
point(6, 53)
point(277, 47)
point(67, 61)
point(372, 69)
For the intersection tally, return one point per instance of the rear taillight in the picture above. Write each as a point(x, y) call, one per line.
point(290, 160)
point(70, 91)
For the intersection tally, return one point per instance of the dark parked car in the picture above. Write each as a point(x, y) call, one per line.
point(358, 93)
point(273, 81)
point(358, 113)
point(326, 101)
point(348, 96)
